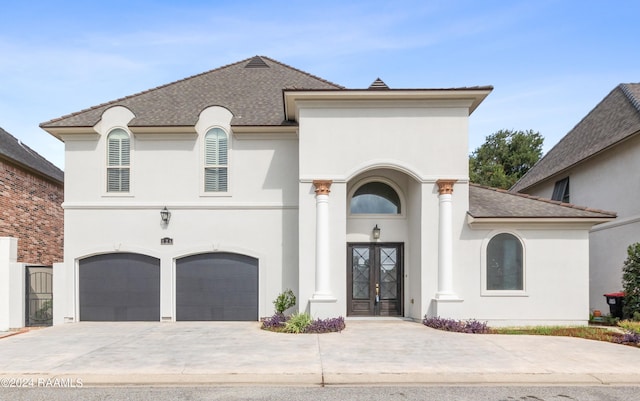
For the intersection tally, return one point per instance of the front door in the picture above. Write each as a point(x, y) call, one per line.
point(374, 279)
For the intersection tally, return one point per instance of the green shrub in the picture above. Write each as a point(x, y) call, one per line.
point(298, 323)
point(284, 301)
point(631, 281)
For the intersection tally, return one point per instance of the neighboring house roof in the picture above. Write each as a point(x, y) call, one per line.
point(485, 202)
point(251, 89)
point(614, 119)
point(13, 150)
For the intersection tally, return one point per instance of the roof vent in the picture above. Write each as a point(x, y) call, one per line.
point(378, 84)
point(256, 62)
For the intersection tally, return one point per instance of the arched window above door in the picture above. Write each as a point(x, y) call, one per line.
point(375, 198)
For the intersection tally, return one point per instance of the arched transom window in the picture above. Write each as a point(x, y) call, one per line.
point(504, 263)
point(375, 198)
point(118, 161)
point(215, 161)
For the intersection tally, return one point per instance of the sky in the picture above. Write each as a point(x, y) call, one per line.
point(550, 61)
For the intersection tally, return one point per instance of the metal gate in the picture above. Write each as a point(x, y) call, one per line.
point(39, 294)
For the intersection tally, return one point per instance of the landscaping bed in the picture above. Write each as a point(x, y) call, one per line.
point(302, 323)
point(626, 332)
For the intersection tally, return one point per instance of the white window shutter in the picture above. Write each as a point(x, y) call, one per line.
point(118, 161)
point(215, 169)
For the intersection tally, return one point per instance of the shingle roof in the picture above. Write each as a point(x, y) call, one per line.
point(614, 119)
point(251, 89)
point(17, 152)
point(492, 202)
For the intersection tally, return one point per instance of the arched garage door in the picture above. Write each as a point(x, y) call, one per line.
point(119, 287)
point(217, 286)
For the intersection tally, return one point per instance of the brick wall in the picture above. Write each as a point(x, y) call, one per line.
point(30, 210)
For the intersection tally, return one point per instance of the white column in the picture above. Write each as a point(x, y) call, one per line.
point(323, 279)
point(12, 285)
point(445, 241)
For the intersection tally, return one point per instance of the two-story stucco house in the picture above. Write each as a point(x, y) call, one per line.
point(205, 198)
point(596, 164)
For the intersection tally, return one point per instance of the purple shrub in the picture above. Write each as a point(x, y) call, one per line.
point(332, 325)
point(458, 326)
point(630, 338)
point(476, 327)
point(274, 322)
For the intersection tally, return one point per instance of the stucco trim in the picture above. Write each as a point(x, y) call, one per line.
point(537, 222)
point(182, 206)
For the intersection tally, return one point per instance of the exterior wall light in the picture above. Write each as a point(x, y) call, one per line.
point(165, 215)
point(376, 232)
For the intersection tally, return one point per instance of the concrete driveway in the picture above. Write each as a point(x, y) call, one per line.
point(366, 352)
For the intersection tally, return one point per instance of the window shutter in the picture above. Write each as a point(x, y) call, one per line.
point(125, 151)
point(211, 150)
point(222, 149)
point(215, 169)
point(118, 161)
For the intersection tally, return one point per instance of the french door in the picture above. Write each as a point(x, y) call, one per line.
point(374, 279)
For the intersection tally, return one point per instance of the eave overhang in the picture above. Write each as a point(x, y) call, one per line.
point(178, 132)
point(538, 222)
point(464, 97)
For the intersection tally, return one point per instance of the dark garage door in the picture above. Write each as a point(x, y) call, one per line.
point(217, 286)
point(120, 287)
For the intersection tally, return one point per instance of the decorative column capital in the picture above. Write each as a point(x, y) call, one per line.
point(445, 187)
point(322, 186)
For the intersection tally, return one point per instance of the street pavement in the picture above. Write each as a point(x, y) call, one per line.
point(366, 352)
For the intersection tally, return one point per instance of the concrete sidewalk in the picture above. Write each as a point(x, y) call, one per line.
point(367, 352)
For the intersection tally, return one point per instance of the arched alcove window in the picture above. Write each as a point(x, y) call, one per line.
point(118, 161)
point(504, 263)
point(375, 198)
point(215, 164)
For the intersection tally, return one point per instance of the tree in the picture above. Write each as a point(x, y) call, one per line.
point(505, 157)
point(631, 282)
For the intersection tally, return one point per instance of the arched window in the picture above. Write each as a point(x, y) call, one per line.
point(375, 198)
point(215, 160)
point(118, 161)
point(504, 263)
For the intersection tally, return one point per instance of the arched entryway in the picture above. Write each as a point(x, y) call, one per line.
point(377, 236)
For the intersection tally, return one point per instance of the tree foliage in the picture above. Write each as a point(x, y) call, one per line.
point(505, 157)
point(631, 281)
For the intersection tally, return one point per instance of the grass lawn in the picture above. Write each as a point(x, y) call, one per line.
point(588, 332)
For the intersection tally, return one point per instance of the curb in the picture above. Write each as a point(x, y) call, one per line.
point(314, 379)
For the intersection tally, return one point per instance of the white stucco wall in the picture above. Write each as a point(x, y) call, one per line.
point(340, 142)
point(258, 217)
point(556, 280)
point(12, 286)
point(605, 182)
point(608, 250)
point(409, 146)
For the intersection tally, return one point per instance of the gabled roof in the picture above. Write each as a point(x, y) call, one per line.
point(16, 152)
point(251, 89)
point(485, 202)
point(614, 119)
